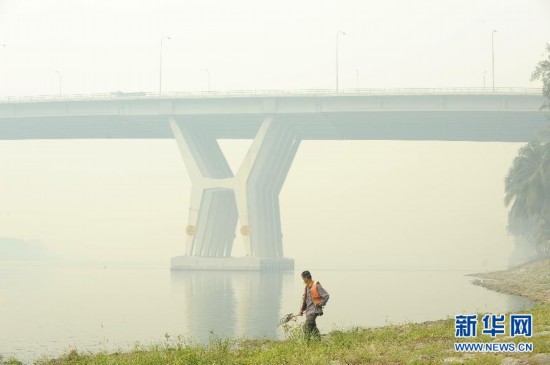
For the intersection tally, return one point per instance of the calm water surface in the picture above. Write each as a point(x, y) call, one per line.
point(47, 310)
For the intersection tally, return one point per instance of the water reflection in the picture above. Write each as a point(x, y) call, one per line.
point(229, 303)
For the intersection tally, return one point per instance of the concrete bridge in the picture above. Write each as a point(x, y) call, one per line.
point(277, 122)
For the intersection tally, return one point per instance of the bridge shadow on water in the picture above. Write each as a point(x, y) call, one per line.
point(232, 304)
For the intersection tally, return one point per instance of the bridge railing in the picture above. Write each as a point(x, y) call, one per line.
point(282, 93)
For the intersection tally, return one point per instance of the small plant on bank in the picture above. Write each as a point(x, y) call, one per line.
point(9, 361)
point(293, 331)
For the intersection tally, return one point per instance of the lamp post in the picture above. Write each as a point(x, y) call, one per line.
point(337, 38)
point(160, 64)
point(60, 79)
point(493, 55)
point(208, 79)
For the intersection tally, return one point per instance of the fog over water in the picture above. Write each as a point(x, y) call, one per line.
point(344, 203)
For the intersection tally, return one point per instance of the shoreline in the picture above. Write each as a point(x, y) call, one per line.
point(530, 281)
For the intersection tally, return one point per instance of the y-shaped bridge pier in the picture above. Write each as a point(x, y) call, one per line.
point(225, 203)
point(220, 198)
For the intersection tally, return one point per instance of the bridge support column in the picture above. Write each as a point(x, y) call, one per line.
point(212, 213)
point(218, 198)
point(261, 178)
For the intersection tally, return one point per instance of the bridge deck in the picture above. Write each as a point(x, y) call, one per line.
point(504, 117)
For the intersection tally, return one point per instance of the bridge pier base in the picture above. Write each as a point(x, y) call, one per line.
point(231, 263)
point(219, 198)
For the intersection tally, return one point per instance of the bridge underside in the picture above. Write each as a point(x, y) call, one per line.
point(483, 126)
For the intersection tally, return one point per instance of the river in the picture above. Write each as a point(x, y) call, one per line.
point(48, 310)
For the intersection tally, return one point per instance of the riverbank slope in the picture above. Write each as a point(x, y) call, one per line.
point(531, 281)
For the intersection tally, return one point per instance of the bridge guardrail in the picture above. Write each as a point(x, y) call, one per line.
point(273, 92)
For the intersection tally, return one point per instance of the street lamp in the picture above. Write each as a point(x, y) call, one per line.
point(493, 55)
point(337, 37)
point(208, 78)
point(160, 70)
point(59, 74)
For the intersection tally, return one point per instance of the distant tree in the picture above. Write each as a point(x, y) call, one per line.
point(531, 231)
point(528, 182)
point(542, 73)
point(527, 192)
point(527, 185)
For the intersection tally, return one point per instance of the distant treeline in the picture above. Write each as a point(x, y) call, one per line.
point(18, 249)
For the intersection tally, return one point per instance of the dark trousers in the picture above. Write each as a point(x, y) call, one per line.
point(310, 327)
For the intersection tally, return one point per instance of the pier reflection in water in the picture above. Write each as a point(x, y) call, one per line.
point(230, 303)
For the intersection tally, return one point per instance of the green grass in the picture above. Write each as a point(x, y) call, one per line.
point(9, 361)
point(422, 343)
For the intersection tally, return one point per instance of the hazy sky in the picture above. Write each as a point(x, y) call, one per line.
point(360, 202)
point(104, 46)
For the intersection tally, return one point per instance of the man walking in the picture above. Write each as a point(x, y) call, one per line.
point(314, 299)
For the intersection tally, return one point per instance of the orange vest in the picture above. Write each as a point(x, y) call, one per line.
point(315, 297)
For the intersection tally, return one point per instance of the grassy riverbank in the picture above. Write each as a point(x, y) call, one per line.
point(423, 343)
